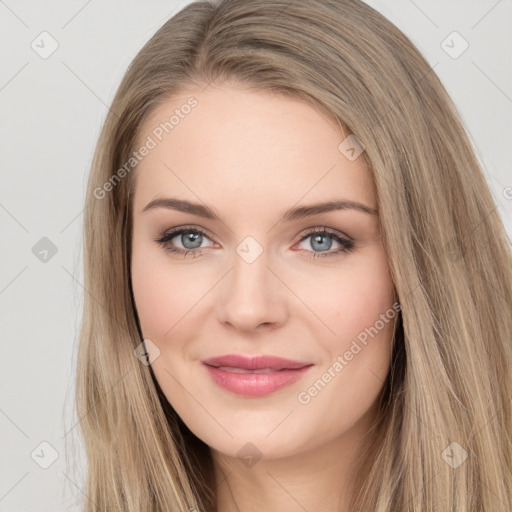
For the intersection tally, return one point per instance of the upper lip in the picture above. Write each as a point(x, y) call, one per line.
point(254, 363)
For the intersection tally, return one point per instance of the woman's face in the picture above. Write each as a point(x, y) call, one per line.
point(264, 273)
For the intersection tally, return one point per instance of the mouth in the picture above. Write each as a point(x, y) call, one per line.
point(243, 370)
point(254, 376)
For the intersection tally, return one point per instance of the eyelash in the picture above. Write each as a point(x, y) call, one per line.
point(346, 244)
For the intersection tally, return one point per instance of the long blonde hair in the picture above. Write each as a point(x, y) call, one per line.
point(448, 393)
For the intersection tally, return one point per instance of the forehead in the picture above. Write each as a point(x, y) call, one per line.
point(262, 149)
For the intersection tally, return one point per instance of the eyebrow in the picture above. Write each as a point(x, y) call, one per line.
point(296, 213)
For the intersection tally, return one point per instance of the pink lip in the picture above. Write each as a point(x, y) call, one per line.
point(254, 363)
point(284, 373)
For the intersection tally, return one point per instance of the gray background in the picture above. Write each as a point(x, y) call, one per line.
point(52, 110)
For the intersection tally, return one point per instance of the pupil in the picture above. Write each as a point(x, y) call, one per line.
point(318, 238)
point(191, 237)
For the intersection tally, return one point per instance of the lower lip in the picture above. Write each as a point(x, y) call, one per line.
point(255, 384)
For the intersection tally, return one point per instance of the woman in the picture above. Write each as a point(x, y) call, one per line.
point(232, 357)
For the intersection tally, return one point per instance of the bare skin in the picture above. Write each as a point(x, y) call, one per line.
point(251, 156)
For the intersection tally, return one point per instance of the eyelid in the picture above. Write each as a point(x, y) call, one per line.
point(186, 227)
point(324, 229)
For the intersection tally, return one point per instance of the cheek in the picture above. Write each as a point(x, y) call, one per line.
point(163, 293)
point(352, 299)
point(358, 307)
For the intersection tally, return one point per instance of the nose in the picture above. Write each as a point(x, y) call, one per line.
point(252, 295)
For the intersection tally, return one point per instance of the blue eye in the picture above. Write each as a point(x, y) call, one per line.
point(321, 239)
point(191, 238)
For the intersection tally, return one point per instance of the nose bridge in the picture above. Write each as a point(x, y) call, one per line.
point(251, 294)
point(250, 266)
point(250, 276)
